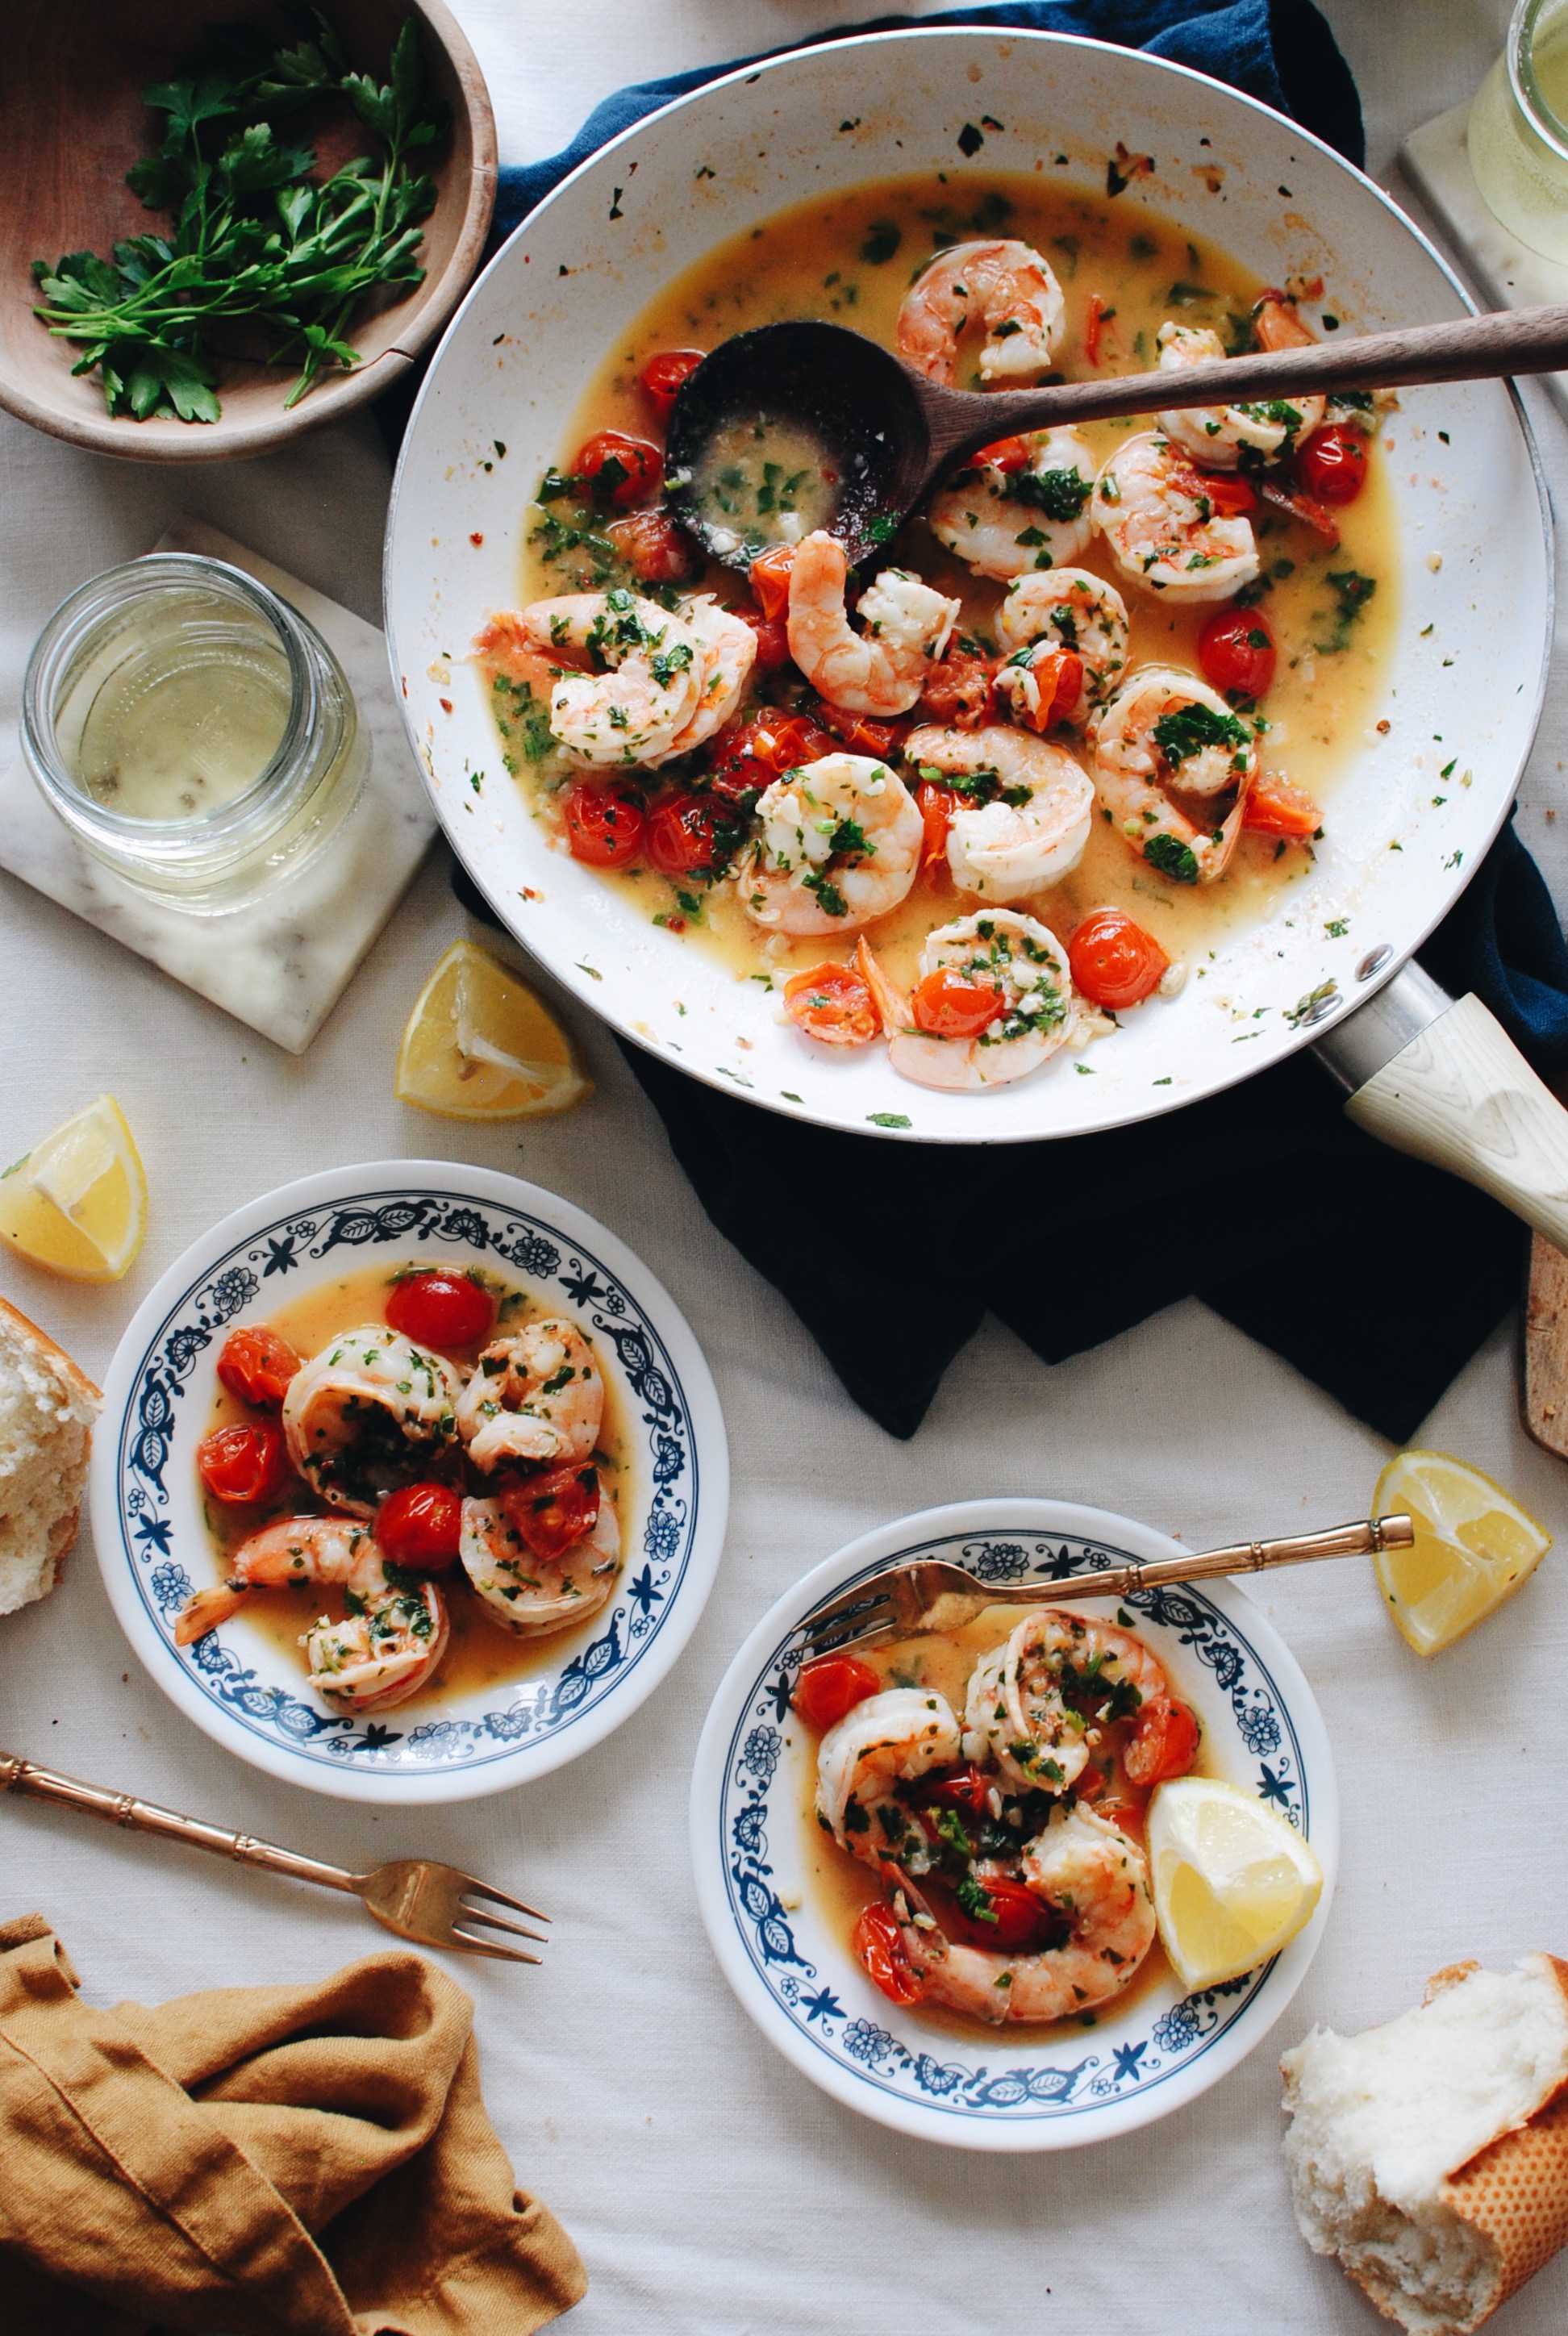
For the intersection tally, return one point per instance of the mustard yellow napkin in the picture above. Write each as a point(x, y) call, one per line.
point(260, 2161)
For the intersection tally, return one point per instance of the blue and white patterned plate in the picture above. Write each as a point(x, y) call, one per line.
point(789, 1961)
point(236, 1683)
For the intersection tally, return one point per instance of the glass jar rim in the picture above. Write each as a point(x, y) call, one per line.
point(1528, 95)
point(104, 598)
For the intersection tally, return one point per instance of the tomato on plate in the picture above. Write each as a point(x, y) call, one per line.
point(967, 1788)
point(683, 835)
point(663, 375)
point(833, 1003)
point(1332, 464)
point(419, 1527)
point(879, 1945)
point(773, 640)
point(947, 1007)
point(859, 733)
point(656, 547)
point(257, 1366)
point(617, 469)
point(1112, 961)
point(554, 1510)
point(604, 824)
point(830, 1687)
point(241, 1463)
point(786, 741)
point(1164, 1743)
point(441, 1309)
point(1018, 1919)
point(1236, 650)
point(1228, 495)
point(1275, 807)
point(957, 691)
point(935, 805)
point(769, 577)
point(1008, 455)
point(1059, 676)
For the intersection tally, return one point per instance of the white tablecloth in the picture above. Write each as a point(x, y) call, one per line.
point(709, 2187)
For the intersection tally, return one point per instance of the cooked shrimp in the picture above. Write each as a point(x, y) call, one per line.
point(899, 1733)
point(1160, 518)
point(535, 1394)
point(1087, 1872)
point(368, 1414)
point(998, 948)
point(1008, 287)
point(1005, 523)
point(1032, 828)
point(881, 669)
point(1040, 1702)
point(728, 651)
point(373, 1660)
point(1046, 619)
point(840, 844)
point(648, 690)
point(532, 1594)
point(1218, 435)
point(1167, 734)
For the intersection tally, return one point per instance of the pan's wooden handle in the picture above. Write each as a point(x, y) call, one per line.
point(1461, 1095)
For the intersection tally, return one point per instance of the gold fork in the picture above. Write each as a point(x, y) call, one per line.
point(909, 1601)
point(417, 1897)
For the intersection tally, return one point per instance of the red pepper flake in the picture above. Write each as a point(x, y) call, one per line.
point(444, 704)
point(477, 539)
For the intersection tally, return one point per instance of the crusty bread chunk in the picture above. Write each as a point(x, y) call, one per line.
point(47, 1407)
point(1431, 2155)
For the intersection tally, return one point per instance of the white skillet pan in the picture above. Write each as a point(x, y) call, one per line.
point(1468, 665)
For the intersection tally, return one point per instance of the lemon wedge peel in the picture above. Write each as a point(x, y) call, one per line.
point(76, 1204)
point(1473, 1548)
point(1233, 1881)
point(479, 1045)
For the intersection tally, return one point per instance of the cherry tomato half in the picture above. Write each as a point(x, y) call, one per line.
point(957, 691)
point(1236, 651)
point(773, 640)
point(554, 1510)
point(1058, 679)
point(241, 1463)
point(859, 733)
point(656, 547)
point(1226, 493)
point(663, 375)
point(441, 1309)
point(1164, 1743)
point(257, 1366)
point(1275, 807)
point(878, 1944)
point(617, 469)
point(769, 578)
point(604, 825)
point(786, 741)
point(825, 1690)
point(833, 1003)
point(420, 1526)
point(1332, 464)
point(1008, 455)
point(935, 805)
point(1018, 1919)
point(682, 837)
point(965, 1788)
point(1114, 962)
point(948, 1006)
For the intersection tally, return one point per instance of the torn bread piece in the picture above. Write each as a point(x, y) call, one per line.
point(1431, 2155)
point(47, 1407)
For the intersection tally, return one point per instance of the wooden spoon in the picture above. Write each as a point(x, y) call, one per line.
point(894, 433)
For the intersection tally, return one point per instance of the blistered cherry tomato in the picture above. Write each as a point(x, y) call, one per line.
point(663, 375)
point(604, 824)
point(618, 469)
point(879, 1945)
point(948, 1006)
point(860, 733)
point(1164, 1743)
point(936, 806)
point(682, 837)
point(1226, 493)
point(257, 1366)
point(787, 741)
point(656, 547)
point(1236, 651)
point(1112, 961)
point(769, 577)
point(1275, 807)
point(1332, 464)
point(554, 1510)
point(825, 1690)
point(965, 1788)
point(1008, 455)
point(958, 692)
point(833, 1003)
point(773, 640)
point(1018, 1919)
point(241, 1463)
point(419, 1526)
point(1058, 678)
point(441, 1309)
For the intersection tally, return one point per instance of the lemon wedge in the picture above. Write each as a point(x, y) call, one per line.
point(1474, 1547)
point(1233, 1879)
point(481, 1046)
point(76, 1204)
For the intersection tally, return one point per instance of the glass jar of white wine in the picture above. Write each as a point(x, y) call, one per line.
point(1518, 130)
point(193, 730)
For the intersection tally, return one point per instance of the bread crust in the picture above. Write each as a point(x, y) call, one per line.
point(1515, 2192)
point(14, 1321)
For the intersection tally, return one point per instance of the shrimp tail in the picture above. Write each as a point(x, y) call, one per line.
point(204, 1609)
point(890, 1003)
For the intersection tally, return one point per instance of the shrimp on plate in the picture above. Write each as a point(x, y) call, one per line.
point(727, 647)
point(1166, 524)
point(1167, 750)
point(1004, 519)
point(368, 1414)
point(994, 1000)
point(1064, 634)
point(385, 1648)
point(880, 670)
point(535, 1395)
point(1219, 436)
point(514, 1550)
point(1039, 1705)
point(840, 844)
point(624, 678)
point(1007, 287)
point(1026, 810)
point(891, 1738)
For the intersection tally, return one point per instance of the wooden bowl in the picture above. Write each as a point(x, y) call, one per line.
point(71, 122)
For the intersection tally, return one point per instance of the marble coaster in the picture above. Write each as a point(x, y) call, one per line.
point(280, 964)
point(1436, 160)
